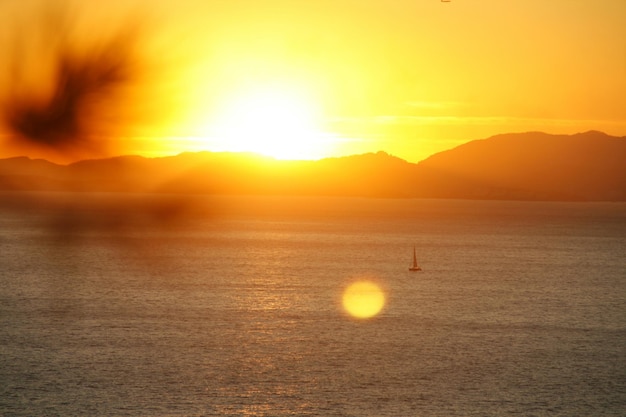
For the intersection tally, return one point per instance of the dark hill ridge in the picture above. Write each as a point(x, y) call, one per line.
point(534, 165)
point(522, 166)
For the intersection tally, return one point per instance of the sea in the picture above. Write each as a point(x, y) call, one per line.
point(155, 305)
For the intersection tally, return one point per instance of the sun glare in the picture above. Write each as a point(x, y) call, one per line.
point(363, 299)
point(273, 121)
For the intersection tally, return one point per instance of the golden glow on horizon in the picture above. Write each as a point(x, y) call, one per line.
point(363, 299)
point(271, 120)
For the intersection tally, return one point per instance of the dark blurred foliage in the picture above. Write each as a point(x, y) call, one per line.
point(66, 91)
point(63, 87)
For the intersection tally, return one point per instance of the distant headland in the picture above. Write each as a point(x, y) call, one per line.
point(587, 166)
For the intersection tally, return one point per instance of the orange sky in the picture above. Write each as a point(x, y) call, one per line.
point(410, 77)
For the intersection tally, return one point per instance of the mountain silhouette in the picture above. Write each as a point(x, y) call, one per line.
point(520, 166)
point(534, 165)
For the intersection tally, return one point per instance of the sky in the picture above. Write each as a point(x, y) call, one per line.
point(310, 79)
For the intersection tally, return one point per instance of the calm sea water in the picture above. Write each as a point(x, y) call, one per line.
point(235, 309)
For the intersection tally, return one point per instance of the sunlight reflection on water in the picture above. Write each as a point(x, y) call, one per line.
point(241, 314)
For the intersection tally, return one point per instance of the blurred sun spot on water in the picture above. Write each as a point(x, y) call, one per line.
point(363, 299)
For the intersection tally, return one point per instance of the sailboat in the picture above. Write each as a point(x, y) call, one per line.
point(414, 266)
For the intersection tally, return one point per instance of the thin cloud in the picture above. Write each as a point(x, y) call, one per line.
point(437, 105)
point(488, 121)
